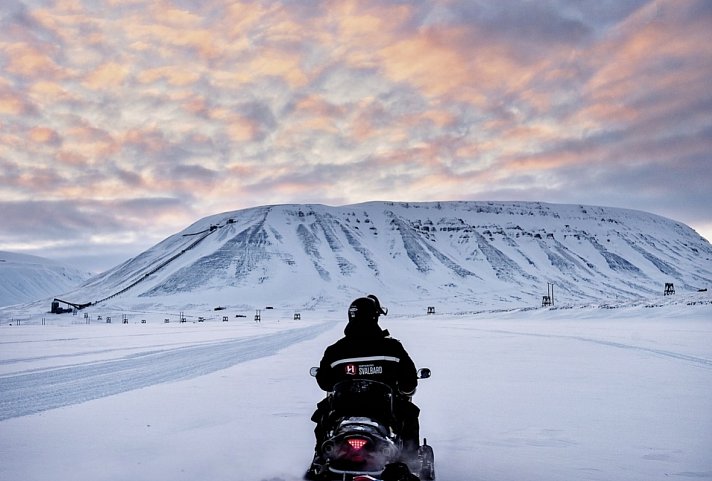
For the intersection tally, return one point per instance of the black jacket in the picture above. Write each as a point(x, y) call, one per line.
point(367, 352)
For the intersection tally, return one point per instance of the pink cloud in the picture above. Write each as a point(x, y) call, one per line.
point(43, 135)
point(107, 76)
point(29, 60)
point(176, 75)
point(639, 60)
point(47, 92)
point(149, 140)
point(12, 104)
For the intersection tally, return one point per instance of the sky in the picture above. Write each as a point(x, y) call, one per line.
point(124, 121)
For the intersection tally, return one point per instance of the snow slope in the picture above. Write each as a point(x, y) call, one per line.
point(615, 393)
point(304, 256)
point(25, 278)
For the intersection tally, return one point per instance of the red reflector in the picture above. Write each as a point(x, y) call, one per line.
point(357, 443)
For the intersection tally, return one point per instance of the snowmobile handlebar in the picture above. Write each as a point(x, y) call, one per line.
point(423, 372)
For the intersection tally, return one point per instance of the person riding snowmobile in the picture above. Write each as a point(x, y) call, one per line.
point(368, 352)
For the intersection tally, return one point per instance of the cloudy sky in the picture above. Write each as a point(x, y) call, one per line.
point(124, 121)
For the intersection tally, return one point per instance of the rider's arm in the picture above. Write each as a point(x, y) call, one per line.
point(325, 376)
point(407, 375)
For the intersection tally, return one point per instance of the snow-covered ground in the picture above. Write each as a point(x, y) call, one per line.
point(541, 395)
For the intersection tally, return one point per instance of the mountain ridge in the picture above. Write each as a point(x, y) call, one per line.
point(26, 277)
point(482, 253)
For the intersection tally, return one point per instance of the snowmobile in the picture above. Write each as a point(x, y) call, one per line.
point(361, 443)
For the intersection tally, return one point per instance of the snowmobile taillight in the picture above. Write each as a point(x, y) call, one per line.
point(357, 443)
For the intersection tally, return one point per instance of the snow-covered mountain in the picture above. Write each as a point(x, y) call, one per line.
point(25, 278)
point(418, 254)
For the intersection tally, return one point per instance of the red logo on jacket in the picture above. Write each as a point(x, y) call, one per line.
point(351, 369)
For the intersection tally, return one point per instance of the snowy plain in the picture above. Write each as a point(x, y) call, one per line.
point(602, 392)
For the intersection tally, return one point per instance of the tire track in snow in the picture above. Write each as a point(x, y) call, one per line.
point(37, 391)
point(700, 361)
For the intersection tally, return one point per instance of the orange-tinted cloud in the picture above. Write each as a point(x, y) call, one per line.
point(107, 76)
point(43, 135)
point(29, 60)
point(11, 104)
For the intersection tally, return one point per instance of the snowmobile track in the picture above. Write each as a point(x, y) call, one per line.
point(699, 361)
point(44, 389)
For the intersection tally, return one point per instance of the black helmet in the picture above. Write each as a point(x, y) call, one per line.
point(366, 309)
point(381, 310)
